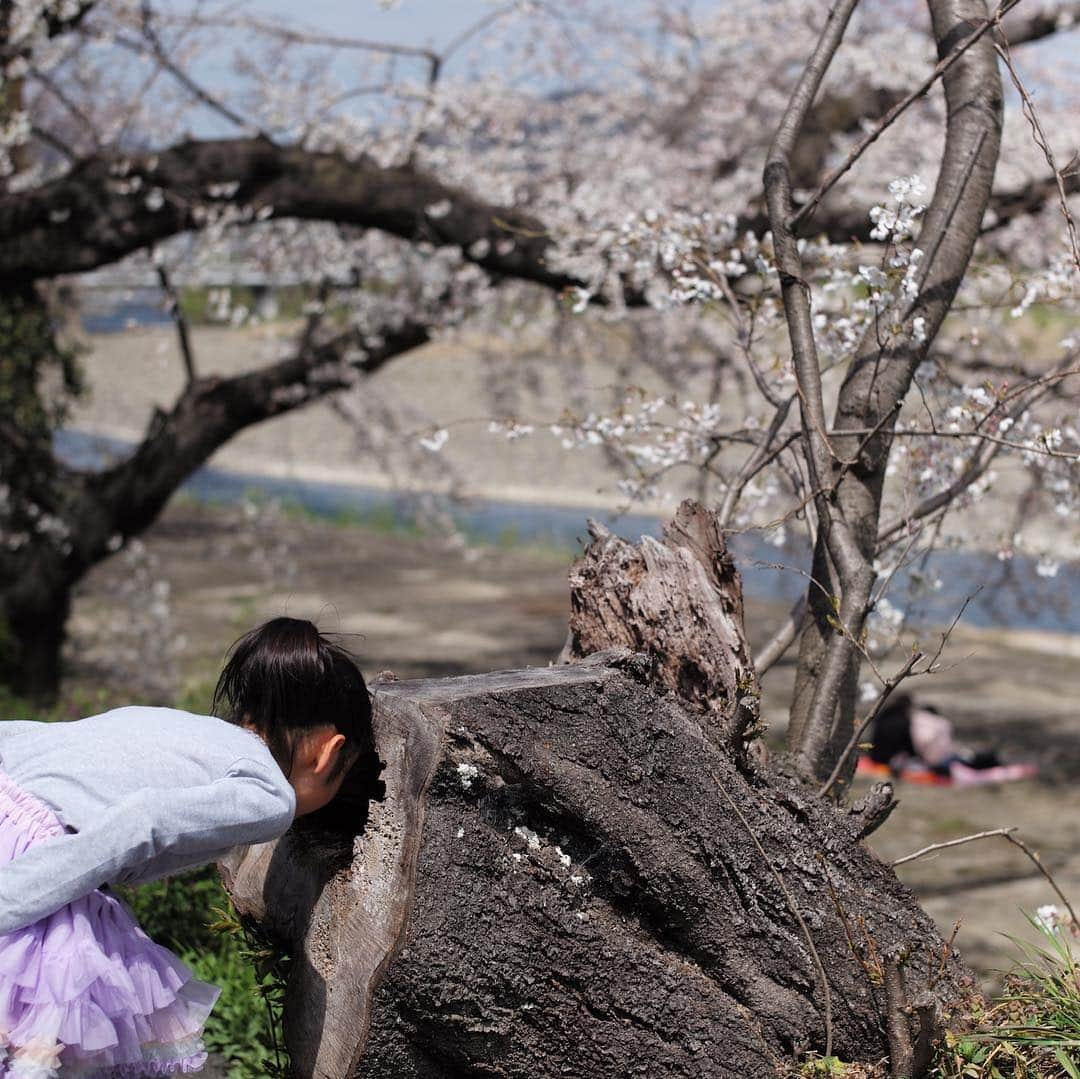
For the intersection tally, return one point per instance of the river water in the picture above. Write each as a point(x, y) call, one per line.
point(1009, 594)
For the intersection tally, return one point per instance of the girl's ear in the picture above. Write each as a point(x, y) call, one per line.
point(327, 749)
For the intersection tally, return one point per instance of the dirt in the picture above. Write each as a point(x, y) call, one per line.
point(414, 606)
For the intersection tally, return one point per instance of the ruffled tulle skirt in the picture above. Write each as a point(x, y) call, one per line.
point(85, 993)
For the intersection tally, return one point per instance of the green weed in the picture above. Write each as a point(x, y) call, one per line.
point(73, 703)
point(1032, 1031)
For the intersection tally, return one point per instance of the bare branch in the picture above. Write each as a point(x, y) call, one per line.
point(1039, 136)
point(305, 37)
point(55, 142)
point(161, 55)
point(782, 639)
point(854, 569)
point(78, 114)
point(210, 411)
point(952, 843)
point(980, 459)
point(901, 1051)
point(1008, 835)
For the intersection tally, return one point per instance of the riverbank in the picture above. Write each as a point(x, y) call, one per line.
point(458, 385)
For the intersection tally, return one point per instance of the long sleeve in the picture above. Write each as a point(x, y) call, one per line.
point(189, 825)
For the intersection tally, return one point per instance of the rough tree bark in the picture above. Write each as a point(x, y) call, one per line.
point(103, 219)
point(33, 495)
point(574, 872)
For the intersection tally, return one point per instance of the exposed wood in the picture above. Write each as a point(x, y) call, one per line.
point(680, 603)
point(351, 923)
point(873, 809)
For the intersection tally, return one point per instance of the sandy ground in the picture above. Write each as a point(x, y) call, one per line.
point(450, 385)
point(420, 609)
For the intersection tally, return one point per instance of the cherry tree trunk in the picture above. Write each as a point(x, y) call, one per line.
point(576, 871)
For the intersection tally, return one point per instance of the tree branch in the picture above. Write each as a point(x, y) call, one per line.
point(855, 573)
point(107, 220)
point(982, 456)
point(212, 410)
point(895, 112)
point(782, 639)
point(860, 730)
point(178, 318)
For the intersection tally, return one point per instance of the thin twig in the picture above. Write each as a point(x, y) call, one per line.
point(1037, 861)
point(86, 125)
point(743, 334)
point(982, 436)
point(826, 992)
point(1002, 48)
point(953, 843)
point(158, 49)
point(983, 455)
point(760, 459)
point(860, 730)
point(946, 951)
point(56, 143)
point(179, 320)
point(873, 974)
point(901, 1051)
point(1006, 834)
point(783, 638)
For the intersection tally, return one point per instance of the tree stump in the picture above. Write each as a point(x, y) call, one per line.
point(569, 874)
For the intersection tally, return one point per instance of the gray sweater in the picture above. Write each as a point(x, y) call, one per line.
point(144, 792)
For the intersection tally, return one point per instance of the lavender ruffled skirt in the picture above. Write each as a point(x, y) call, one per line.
point(85, 993)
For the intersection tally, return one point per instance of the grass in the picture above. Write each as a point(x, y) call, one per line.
point(1032, 1031)
point(290, 299)
point(389, 520)
point(74, 702)
point(820, 1067)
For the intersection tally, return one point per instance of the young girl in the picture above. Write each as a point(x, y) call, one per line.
point(135, 794)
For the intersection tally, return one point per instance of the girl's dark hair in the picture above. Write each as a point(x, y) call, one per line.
point(285, 678)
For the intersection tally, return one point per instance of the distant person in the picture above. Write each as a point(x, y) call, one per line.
point(916, 743)
point(135, 794)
